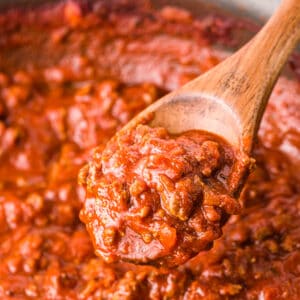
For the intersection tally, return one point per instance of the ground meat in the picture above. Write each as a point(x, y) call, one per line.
point(71, 76)
point(157, 198)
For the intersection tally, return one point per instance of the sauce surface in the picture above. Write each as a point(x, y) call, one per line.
point(157, 198)
point(70, 77)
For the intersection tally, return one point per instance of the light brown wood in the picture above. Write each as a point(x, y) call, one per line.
point(230, 99)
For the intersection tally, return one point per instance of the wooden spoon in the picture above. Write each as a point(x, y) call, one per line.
point(229, 100)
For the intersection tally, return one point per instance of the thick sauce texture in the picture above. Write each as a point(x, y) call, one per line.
point(157, 198)
point(71, 76)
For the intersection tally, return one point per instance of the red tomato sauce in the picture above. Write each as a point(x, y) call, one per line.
point(71, 75)
point(157, 198)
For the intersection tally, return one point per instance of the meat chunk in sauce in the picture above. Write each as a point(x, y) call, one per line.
point(158, 198)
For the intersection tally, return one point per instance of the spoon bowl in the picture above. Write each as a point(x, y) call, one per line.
point(189, 111)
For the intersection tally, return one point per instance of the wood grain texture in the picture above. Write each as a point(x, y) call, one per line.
point(246, 80)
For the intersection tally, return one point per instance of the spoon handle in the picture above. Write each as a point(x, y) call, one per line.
point(246, 79)
point(261, 61)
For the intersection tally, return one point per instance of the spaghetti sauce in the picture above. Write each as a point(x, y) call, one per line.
point(71, 75)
